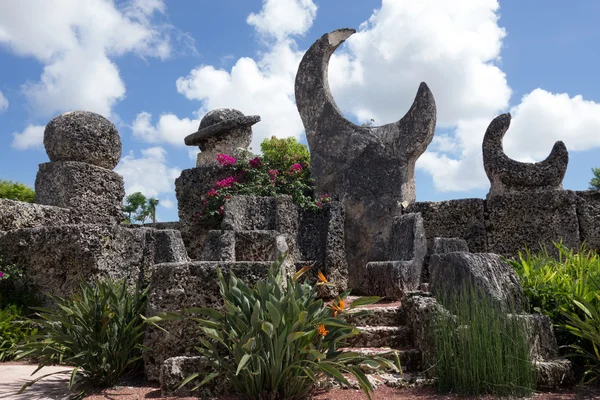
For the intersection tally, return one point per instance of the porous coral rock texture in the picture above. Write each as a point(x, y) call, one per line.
point(519, 221)
point(18, 214)
point(94, 194)
point(57, 258)
point(463, 218)
point(487, 271)
point(85, 137)
point(176, 286)
point(369, 169)
point(510, 176)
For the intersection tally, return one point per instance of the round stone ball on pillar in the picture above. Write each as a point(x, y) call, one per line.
point(221, 131)
point(85, 137)
point(83, 148)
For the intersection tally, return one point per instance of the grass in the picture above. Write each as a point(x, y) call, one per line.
point(483, 350)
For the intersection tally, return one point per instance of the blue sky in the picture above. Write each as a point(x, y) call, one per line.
point(155, 68)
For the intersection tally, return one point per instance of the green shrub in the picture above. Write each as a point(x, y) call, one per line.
point(13, 330)
point(16, 289)
point(283, 153)
point(484, 350)
point(284, 169)
point(16, 191)
point(276, 340)
point(588, 329)
point(98, 331)
point(550, 284)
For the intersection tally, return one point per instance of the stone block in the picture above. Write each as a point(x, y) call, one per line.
point(447, 245)
point(176, 286)
point(408, 242)
point(94, 194)
point(57, 258)
point(588, 213)
point(464, 218)
point(392, 279)
point(219, 246)
point(255, 245)
point(442, 246)
point(553, 374)
point(486, 271)
point(191, 188)
point(320, 241)
point(18, 214)
point(540, 334)
point(247, 213)
point(532, 220)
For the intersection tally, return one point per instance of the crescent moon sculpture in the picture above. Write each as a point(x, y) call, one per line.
point(370, 169)
point(510, 176)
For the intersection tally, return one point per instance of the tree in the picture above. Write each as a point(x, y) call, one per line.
point(134, 203)
point(152, 203)
point(595, 182)
point(138, 208)
point(16, 191)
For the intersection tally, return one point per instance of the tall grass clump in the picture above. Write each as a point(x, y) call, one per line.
point(98, 331)
point(275, 340)
point(482, 349)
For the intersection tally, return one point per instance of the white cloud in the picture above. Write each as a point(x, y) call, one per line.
point(76, 42)
point(281, 18)
point(148, 174)
point(453, 46)
point(167, 203)
point(3, 103)
point(31, 137)
point(169, 129)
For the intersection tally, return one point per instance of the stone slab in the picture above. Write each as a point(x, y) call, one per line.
point(56, 258)
point(18, 214)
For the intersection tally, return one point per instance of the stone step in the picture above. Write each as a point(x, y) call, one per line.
point(382, 336)
point(377, 316)
point(410, 359)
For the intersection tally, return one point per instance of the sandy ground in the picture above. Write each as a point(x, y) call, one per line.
point(13, 375)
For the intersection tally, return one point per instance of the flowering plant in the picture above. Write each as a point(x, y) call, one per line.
point(284, 168)
point(276, 341)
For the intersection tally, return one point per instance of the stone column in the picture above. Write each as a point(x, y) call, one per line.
point(83, 148)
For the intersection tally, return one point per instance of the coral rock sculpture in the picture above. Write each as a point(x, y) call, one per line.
point(370, 169)
point(510, 176)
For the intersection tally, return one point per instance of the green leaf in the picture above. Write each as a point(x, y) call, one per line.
point(363, 301)
point(274, 314)
point(243, 363)
point(267, 327)
point(188, 380)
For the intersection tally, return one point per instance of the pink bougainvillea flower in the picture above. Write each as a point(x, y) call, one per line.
point(222, 210)
point(273, 174)
point(1, 274)
point(225, 159)
point(295, 168)
point(212, 193)
point(255, 162)
point(226, 182)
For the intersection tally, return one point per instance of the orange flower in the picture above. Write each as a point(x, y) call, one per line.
point(339, 307)
point(322, 279)
point(322, 331)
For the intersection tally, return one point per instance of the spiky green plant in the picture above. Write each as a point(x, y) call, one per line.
point(483, 350)
point(98, 331)
point(276, 340)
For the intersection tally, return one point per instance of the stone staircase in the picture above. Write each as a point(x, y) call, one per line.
point(384, 332)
